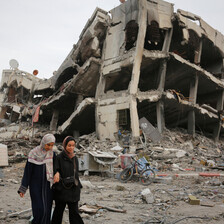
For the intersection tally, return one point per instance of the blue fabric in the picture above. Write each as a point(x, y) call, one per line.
point(141, 164)
point(40, 192)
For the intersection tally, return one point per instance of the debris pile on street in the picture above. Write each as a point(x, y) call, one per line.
point(105, 200)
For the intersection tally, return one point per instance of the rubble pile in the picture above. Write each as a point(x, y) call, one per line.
point(20, 138)
point(106, 200)
point(176, 151)
point(179, 151)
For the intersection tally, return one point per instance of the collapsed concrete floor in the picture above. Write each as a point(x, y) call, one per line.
point(141, 59)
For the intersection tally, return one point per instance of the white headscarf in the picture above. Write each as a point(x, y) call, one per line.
point(40, 156)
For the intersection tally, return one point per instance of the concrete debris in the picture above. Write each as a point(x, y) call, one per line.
point(89, 209)
point(120, 188)
point(149, 130)
point(180, 153)
point(87, 184)
point(97, 161)
point(193, 200)
point(93, 209)
point(3, 155)
point(117, 148)
point(20, 213)
point(147, 196)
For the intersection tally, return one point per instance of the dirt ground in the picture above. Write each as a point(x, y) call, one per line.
point(167, 201)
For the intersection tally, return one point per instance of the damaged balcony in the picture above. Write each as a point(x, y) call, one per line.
point(82, 120)
point(181, 73)
point(86, 52)
point(76, 81)
point(176, 110)
point(196, 41)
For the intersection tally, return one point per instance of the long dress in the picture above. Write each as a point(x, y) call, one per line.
point(40, 192)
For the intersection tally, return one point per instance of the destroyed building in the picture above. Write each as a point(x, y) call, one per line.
point(140, 59)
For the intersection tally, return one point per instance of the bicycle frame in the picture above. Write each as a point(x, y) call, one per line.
point(146, 173)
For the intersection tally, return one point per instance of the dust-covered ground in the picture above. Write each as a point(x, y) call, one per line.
point(164, 202)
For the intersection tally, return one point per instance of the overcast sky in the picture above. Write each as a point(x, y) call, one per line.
point(39, 34)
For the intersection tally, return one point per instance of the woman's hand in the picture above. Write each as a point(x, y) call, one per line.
point(56, 177)
point(21, 194)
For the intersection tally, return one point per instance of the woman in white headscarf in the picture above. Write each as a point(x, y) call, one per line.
point(38, 177)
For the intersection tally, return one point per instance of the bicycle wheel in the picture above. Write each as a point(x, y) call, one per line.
point(126, 174)
point(147, 176)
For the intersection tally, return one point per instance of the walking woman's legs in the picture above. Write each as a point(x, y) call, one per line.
point(74, 217)
point(58, 212)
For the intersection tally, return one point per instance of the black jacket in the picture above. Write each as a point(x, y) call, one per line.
point(66, 190)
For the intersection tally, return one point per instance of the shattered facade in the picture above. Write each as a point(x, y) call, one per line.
point(141, 59)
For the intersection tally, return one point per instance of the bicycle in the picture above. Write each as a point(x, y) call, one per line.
point(146, 173)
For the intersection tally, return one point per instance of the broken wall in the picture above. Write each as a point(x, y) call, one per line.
point(17, 89)
point(108, 115)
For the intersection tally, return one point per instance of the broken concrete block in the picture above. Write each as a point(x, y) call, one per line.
point(1, 174)
point(149, 130)
point(120, 188)
point(180, 153)
point(147, 196)
point(97, 161)
point(87, 184)
point(207, 204)
point(193, 200)
point(117, 147)
point(3, 155)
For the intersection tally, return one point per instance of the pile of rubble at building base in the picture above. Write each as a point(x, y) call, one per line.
point(176, 150)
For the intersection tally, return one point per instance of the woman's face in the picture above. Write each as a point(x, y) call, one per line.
point(70, 146)
point(49, 146)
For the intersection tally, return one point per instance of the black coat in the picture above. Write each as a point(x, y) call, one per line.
point(63, 191)
point(35, 178)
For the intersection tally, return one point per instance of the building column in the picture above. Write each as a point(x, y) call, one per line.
point(100, 86)
point(193, 92)
point(162, 75)
point(54, 120)
point(167, 40)
point(192, 99)
point(134, 117)
point(160, 115)
point(161, 81)
point(76, 134)
point(219, 108)
point(102, 80)
point(133, 88)
point(142, 21)
point(79, 99)
point(100, 89)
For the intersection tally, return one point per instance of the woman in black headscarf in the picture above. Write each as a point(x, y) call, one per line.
point(67, 184)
